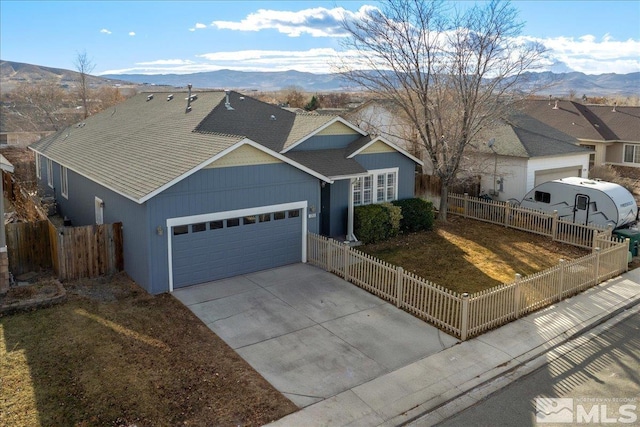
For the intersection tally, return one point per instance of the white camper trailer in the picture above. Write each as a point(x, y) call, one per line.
point(584, 201)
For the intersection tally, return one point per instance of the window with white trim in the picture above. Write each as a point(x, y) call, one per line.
point(50, 173)
point(632, 153)
point(64, 182)
point(381, 186)
point(38, 171)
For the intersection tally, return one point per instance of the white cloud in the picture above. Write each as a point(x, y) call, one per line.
point(167, 62)
point(132, 33)
point(317, 22)
point(589, 55)
point(312, 60)
point(105, 31)
point(198, 26)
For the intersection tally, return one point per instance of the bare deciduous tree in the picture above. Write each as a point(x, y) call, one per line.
point(294, 96)
point(453, 73)
point(84, 66)
point(39, 105)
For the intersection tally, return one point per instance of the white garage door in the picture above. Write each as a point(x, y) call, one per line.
point(212, 247)
point(559, 173)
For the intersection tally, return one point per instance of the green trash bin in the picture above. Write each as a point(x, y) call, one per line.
point(633, 236)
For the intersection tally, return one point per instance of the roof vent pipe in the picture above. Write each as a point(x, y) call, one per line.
point(188, 100)
point(615, 104)
point(555, 107)
point(549, 99)
point(227, 104)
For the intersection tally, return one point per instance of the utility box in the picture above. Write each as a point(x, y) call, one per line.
point(633, 236)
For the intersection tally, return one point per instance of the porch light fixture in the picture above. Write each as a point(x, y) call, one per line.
point(159, 230)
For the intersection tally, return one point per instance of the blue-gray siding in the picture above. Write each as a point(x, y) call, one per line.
point(80, 209)
point(212, 190)
point(223, 189)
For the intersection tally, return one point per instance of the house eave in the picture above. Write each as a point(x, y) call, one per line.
point(323, 127)
point(390, 144)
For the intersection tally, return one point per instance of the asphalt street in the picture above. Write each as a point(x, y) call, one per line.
point(603, 372)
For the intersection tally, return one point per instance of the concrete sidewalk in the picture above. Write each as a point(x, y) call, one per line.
point(407, 393)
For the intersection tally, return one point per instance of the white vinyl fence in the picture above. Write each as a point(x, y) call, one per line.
point(532, 221)
point(468, 315)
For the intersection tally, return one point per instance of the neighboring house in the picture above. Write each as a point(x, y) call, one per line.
point(21, 139)
point(385, 118)
point(522, 154)
point(212, 185)
point(526, 152)
point(611, 132)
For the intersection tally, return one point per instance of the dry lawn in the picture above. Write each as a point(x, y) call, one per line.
point(112, 355)
point(469, 256)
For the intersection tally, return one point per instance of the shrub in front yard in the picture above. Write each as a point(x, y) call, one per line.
point(375, 223)
point(417, 215)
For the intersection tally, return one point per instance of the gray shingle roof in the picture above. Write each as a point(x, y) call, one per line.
point(330, 163)
point(524, 136)
point(143, 145)
point(587, 122)
point(138, 156)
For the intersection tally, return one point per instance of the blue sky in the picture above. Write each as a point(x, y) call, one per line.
point(156, 37)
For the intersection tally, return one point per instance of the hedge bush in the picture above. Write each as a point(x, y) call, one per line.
point(417, 215)
point(375, 223)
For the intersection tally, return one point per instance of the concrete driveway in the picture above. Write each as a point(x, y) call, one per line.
point(309, 333)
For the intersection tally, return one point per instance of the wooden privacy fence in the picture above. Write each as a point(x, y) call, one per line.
point(533, 221)
point(468, 315)
point(28, 246)
point(72, 252)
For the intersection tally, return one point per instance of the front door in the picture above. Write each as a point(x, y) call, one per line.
point(325, 209)
point(581, 209)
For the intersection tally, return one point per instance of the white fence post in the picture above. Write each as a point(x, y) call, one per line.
point(507, 214)
point(464, 322)
point(517, 296)
point(597, 266)
point(465, 204)
point(399, 287)
point(627, 243)
point(329, 263)
point(561, 280)
point(554, 225)
point(345, 252)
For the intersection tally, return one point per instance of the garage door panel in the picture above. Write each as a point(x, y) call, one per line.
point(223, 252)
point(542, 176)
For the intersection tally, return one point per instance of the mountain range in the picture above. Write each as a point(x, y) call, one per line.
point(556, 84)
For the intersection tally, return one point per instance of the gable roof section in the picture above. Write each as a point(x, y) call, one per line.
point(147, 144)
point(623, 123)
point(360, 145)
point(138, 146)
point(524, 136)
point(306, 126)
point(566, 118)
point(588, 122)
point(267, 124)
